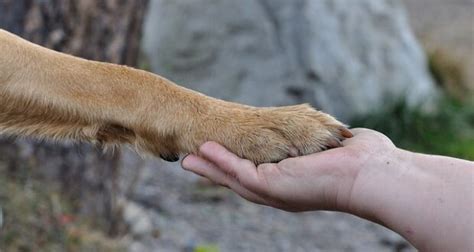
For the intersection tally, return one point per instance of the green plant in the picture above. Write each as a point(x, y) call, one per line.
point(448, 131)
point(206, 248)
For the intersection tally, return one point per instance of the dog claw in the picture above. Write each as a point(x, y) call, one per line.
point(170, 157)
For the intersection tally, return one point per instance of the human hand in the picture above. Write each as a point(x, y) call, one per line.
point(421, 197)
point(321, 181)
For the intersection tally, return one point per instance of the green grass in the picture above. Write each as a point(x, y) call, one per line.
point(448, 131)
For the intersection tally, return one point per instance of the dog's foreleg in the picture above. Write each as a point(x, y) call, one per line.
point(52, 95)
point(48, 94)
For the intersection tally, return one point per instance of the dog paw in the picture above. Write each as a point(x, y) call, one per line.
point(265, 135)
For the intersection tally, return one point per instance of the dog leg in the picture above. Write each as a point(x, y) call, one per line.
point(52, 95)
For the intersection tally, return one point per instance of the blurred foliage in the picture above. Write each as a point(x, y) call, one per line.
point(447, 131)
point(206, 248)
point(37, 218)
point(448, 72)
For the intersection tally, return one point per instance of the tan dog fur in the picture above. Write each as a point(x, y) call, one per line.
point(52, 95)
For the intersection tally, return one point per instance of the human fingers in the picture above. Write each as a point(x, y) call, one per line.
point(242, 170)
point(358, 133)
point(367, 139)
point(326, 159)
point(204, 168)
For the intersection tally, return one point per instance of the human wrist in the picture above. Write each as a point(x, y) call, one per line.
point(376, 184)
point(412, 193)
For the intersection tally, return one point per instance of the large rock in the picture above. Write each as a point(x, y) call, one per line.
point(346, 57)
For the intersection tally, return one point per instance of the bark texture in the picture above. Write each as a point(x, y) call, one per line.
point(107, 30)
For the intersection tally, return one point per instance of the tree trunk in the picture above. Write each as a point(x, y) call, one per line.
point(107, 30)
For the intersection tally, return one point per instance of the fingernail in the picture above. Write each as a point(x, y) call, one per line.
point(182, 161)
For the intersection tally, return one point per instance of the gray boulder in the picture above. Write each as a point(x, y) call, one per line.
point(345, 57)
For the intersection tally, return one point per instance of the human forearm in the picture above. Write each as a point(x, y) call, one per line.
point(427, 199)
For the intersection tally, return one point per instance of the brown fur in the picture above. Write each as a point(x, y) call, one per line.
point(52, 95)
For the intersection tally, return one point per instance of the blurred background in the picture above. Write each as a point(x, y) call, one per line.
point(405, 68)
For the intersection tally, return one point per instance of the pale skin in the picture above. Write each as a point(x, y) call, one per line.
point(427, 199)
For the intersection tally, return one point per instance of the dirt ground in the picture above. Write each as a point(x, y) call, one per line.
point(446, 25)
